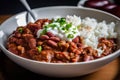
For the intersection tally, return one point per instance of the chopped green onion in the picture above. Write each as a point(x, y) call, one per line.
point(74, 32)
point(70, 36)
point(46, 26)
point(53, 26)
point(44, 31)
point(58, 20)
point(50, 25)
point(52, 20)
point(20, 30)
point(74, 28)
point(68, 26)
point(39, 48)
point(62, 21)
point(78, 26)
point(63, 28)
point(66, 31)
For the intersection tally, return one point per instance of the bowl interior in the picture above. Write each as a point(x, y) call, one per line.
point(49, 12)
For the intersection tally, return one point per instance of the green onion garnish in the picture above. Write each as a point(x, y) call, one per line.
point(44, 31)
point(46, 26)
point(74, 28)
point(52, 20)
point(70, 36)
point(66, 31)
point(63, 28)
point(53, 26)
point(20, 30)
point(78, 26)
point(68, 26)
point(50, 25)
point(74, 32)
point(62, 21)
point(39, 48)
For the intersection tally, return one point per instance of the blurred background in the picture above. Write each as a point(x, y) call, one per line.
point(14, 6)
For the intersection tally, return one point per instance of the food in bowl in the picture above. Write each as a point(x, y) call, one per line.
point(64, 39)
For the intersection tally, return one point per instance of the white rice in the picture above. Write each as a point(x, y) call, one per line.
point(96, 30)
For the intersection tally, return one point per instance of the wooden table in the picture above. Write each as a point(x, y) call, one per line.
point(11, 71)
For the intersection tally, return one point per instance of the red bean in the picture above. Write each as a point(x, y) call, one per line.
point(47, 47)
point(62, 56)
point(86, 58)
point(27, 36)
point(80, 45)
point(76, 40)
point(46, 55)
point(32, 43)
point(63, 45)
point(76, 59)
point(20, 42)
point(33, 27)
point(78, 51)
point(27, 31)
point(52, 43)
point(42, 22)
point(39, 42)
point(50, 34)
point(44, 37)
point(56, 39)
point(73, 45)
point(17, 34)
point(13, 39)
point(13, 48)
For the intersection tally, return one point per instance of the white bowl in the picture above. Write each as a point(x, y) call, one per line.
point(60, 69)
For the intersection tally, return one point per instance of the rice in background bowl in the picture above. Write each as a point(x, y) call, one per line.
point(63, 69)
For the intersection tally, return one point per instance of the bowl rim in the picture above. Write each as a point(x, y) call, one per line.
point(77, 7)
point(53, 7)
